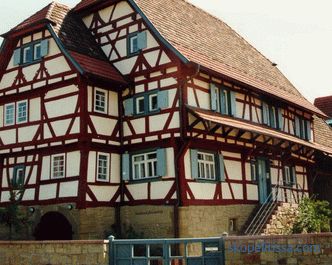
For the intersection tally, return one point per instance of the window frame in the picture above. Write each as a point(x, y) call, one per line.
point(137, 105)
point(64, 166)
point(145, 162)
point(107, 179)
point(150, 97)
point(36, 45)
point(5, 114)
point(26, 111)
point(206, 166)
point(287, 179)
point(131, 51)
point(24, 59)
point(96, 90)
point(15, 179)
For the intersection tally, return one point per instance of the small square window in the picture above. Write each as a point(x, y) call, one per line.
point(27, 51)
point(18, 176)
point(153, 102)
point(37, 51)
point(22, 113)
point(100, 101)
point(140, 105)
point(10, 114)
point(58, 166)
point(133, 44)
point(103, 167)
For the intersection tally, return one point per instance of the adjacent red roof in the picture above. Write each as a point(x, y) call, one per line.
point(208, 41)
point(248, 126)
point(325, 105)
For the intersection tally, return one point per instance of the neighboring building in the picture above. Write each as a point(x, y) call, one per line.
point(323, 135)
point(150, 115)
point(325, 105)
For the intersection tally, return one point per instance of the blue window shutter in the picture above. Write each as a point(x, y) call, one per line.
point(194, 163)
point(17, 56)
point(142, 40)
point(233, 103)
point(297, 125)
point(280, 119)
point(162, 98)
point(129, 107)
point(161, 162)
point(125, 167)
point(223, 102)
point(213, 95)
point(221, 168)
point(308, 129)
point(43, 48)
point(265, 113)
point(273, 121)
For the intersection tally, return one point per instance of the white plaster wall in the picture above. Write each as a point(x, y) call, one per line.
point(103, 126)
point(160, 189)
point(203, 191)
point(68, 189)
point(61, 107)
point(103, 194)
point(73, 164)
point(47, 192)
point(115, 168)
point(92, 167)
point(234, 169)
point(138, 191)
point(252, 192)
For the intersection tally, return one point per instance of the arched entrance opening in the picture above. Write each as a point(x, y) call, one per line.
point(53, 226)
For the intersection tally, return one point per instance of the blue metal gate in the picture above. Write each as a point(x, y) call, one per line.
point(196, 251)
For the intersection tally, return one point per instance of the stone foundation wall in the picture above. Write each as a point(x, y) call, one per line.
point(205, 221)
point(147, 221)
point(248, 251)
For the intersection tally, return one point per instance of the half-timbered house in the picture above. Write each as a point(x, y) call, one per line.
point(146, 115)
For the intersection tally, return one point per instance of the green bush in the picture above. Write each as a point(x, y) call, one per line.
point(314, 217)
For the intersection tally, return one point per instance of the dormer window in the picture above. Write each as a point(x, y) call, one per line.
point(223, 100)
point(272, 116)
point(136, 42)
point(31, 52)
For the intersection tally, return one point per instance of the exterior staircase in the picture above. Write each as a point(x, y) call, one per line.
point(276, 215)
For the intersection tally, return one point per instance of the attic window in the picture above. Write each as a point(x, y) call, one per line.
point(136, 42)
point(30, 53)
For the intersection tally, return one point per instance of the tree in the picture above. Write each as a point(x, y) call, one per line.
point(11, 216)
point(314, 217)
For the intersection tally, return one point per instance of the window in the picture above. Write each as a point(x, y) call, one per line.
point(22, 115)
point(302, 128)
point(146, 103)
point(18, 176)
point(20, 109)
point(232, 225)
point(101, 101)
point(289, 175)
point(103, 167)
point(206, 166)
point(272, 116)
point(58, 166)
point(223, 100)
point(10, 114)
point(136, 42)
point(30, 53)
point(37, 51)
point(144, 165)
point(140, 105)
point(153, 102)
point(253, 170)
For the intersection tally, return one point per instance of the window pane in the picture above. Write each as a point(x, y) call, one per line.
point(206, 166)
point(10, 113)
point(58, 166)
point(102, 167)
point(21, 112)
point(153, 102)
point(100, 104)
point(37, 51)
point(133, 44)
point(26, 54)
point(140, 105)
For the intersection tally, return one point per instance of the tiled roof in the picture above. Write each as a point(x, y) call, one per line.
point(76, 39)
point(323, 132)
point(54, 12)
point(248, 126)
point(208, 41)
point(325, 105)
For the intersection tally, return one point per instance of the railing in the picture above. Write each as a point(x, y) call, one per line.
point(278, 194)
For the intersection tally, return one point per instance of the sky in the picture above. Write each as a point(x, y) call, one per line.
point(296, 34)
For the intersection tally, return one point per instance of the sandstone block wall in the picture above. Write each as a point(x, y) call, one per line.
point(205, 221)
point(148, 221)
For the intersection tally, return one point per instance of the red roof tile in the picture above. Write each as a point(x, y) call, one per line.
point(247, 126)
point(97, 67)
point(324, 104)
point(323, 132)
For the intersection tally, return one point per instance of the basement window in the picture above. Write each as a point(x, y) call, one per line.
point(232, 225)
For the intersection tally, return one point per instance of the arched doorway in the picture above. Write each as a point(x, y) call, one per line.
point(53, 226)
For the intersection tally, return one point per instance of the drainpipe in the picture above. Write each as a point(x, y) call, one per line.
point(181, 152)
